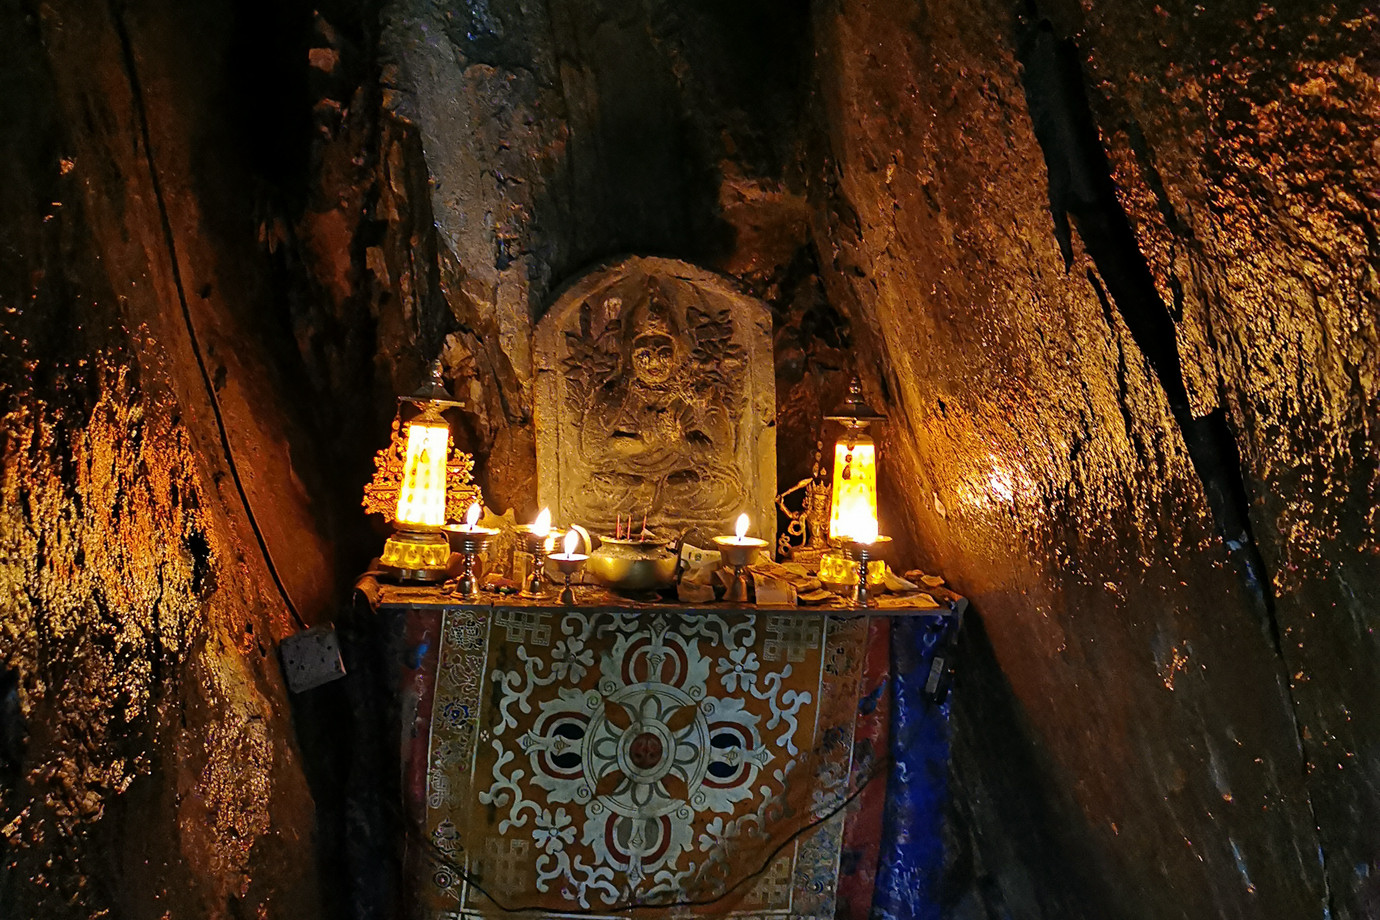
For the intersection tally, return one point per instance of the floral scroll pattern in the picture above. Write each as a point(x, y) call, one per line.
point(639, 759)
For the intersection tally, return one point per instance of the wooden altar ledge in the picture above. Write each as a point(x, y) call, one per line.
point(592, 598)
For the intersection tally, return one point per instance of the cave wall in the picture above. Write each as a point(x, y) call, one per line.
point(148, 766)
point(1118, 261)
point(557, 136)
point(1110, 267)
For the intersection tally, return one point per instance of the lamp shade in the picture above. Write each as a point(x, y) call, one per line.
point(422, 497)
point(853, 505)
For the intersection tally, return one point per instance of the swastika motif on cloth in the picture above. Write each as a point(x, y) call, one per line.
point(520, 625)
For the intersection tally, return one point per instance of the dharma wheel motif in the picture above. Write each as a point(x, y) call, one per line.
point(603, 759)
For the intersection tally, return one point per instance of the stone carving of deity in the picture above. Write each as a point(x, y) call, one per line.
point(655, 410)
point(659, 435)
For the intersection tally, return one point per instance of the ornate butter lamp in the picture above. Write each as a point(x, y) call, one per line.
point(863, 546)
point(535, 537)
point(473, 541)
point(569, 562)
point(418, 549)
point(739, 551)
point(853, 502)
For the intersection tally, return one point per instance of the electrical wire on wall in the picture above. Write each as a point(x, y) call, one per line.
point(441, 859)
point(136, 91)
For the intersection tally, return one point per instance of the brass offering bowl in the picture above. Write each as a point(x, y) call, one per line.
point(632, 564)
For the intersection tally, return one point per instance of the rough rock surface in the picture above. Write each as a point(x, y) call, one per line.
point(558, 136)
point(147, 761)
point(1111, 267)
point(1196, 709)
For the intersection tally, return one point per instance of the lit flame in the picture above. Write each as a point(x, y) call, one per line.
point(422, 498)
point(858, 523)
point(550, 543)
point(572, 540)
point(472, 516)
point(865, 530)
point(740, 529)
point(542, 526)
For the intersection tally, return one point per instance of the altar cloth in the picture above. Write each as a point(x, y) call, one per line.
point(606, 761)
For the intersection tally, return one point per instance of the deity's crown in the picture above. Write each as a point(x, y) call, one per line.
point(654, 325)
point(653, 318)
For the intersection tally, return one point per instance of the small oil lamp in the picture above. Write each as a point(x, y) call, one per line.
point(739, 551)
point(535, 537)
point(418, 549)
point(853, 500)
point(569, 562)
point(473, 541)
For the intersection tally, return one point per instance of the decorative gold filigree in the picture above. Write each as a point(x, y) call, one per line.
point(381, 494)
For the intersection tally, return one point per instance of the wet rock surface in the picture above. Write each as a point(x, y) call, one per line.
point(147, 766)
point(1109, 267)
point(1159, 608)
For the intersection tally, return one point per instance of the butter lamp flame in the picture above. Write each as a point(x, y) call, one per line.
point(739, 551)
point(473, 540)
point(536, 537)
point(861, 527)
point(568, 563)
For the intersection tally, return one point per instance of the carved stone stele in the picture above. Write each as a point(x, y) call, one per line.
point(656, 396)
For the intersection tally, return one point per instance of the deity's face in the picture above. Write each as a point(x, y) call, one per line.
point(654, 358)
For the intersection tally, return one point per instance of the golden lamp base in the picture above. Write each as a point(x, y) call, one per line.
point(839, 574)
point(412, 555)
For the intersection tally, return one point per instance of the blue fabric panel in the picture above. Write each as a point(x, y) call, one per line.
point(911, 863)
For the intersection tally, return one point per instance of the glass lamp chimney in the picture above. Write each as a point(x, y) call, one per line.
point(422, 498)
point(419, 550)
point(853, 505)
point(853, 502)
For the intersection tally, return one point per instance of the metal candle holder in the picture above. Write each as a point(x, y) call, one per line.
point(862, 554)
point(568, 564)
point(535, 588)
point(739, 552)
point(473, 541)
